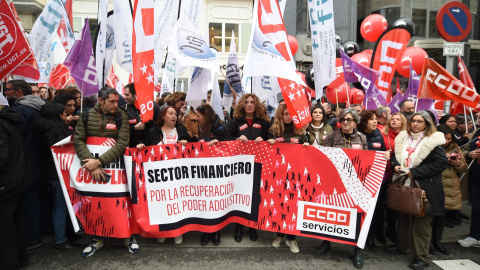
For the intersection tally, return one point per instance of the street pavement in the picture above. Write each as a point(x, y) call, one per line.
point(245, 255)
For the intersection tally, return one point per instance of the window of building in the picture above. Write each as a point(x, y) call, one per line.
point(220, 36)
point(391, 14)
point(78, 23)
point(303, 25)
point(433, 33)
point(419, 18)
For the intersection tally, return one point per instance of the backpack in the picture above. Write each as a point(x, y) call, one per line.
point(118, 120)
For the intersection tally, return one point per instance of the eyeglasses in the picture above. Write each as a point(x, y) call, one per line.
point(417, 121)
point(8, 89)
point(348, 120)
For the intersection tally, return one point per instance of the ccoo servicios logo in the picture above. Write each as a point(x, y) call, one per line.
point(327, 220)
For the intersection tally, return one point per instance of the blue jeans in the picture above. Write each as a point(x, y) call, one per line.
point(59, 214)
point(474, 188)
point(33, 212)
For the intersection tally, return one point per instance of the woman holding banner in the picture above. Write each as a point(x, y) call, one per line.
point(397, 123)
point(211, 130)
point(318, 129)
point(250, 122)
point(167, 131)
point(348, 137)
point(419, 153)
point(283, 130)
point(51, 128)
point(375, 141)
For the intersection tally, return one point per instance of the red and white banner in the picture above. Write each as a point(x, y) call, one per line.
point(437, 83)
point(387, 53)
point(143, 54)
point(14, 47)
point(173, 189)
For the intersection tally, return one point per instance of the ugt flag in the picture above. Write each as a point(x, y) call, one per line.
point(81, 63)
point(14, 48)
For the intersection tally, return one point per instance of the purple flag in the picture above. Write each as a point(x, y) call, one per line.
point(355, 72)
point(81, 63)
point(413, 86)
point(395, 103)
point(427, 104)
point(411, 94)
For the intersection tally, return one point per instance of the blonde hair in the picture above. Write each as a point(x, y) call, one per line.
point(260, 109)
point(278, 127)
point(402, 119)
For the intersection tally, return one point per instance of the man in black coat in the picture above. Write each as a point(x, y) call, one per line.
point(19, 93)
point(138, 129)
point(15, 176)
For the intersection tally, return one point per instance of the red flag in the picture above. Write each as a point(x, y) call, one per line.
point(69, 9)
point(437, 83)
point(60, 77)
point(465, 79)
point(387, 53)
point(14, 46)
point(296, 101)
point(113, 81)
point(143, 56)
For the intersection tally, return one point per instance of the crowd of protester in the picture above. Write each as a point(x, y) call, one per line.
point(32, 203)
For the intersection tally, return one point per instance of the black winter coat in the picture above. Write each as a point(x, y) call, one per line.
point(140, 136)
point(29, 115)
point(375, 140)
point(50, 132)
point(155, 135)
point(428, 172)
point(240, 126)
point(15, 162)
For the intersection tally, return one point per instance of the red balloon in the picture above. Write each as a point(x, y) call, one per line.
point(342, 91)
point(356, 96)
point(362, 59)
point(340, 78)
point(414, 56)
point(368, 52)
point(373, 26)
point(293, 43)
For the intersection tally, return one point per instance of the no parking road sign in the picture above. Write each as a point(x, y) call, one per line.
point(454, 21)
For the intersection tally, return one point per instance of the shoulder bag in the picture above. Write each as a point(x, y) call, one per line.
point(410, 200)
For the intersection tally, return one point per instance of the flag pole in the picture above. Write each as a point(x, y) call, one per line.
point(336, 94)
point(473, 119)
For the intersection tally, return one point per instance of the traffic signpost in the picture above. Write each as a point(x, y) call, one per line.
point(454, 23)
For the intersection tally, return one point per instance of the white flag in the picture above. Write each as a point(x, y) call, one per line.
point(216, 99)
point(198, 86)
point(123, 33)
point(263, 58)
point(165, 17)
point(189, 47)
point(323, 43)
point(101, 41)
point(45, 28)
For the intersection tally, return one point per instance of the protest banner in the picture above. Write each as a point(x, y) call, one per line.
point(173, 189)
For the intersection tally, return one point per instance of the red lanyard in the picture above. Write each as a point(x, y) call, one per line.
point(411, 149)
point(100, 126)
